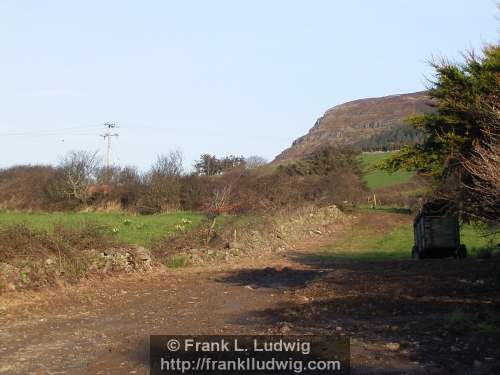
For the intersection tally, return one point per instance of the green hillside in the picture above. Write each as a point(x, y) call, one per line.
point(377, 179)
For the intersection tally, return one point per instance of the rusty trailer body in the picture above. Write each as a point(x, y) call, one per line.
point(437, 232)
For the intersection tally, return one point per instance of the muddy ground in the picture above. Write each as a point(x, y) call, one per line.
point(403, 317)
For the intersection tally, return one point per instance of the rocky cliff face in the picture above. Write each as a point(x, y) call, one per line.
point(357, 121)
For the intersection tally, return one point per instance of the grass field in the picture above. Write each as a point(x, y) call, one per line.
point(132, 229)
point(367, 243)
point(377, 179)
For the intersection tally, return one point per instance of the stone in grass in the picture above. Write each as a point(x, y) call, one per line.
point(393, 346)
point(235, 246)
point(285, 328)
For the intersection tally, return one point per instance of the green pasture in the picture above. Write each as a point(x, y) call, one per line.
point(367, 244)
point(132, 229)
point(378, 179)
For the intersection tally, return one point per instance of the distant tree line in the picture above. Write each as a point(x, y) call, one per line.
point(226, 184)
point(391, 139)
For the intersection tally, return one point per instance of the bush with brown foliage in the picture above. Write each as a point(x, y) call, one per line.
point(408, 195)
point(26, 187)
point(327, 176)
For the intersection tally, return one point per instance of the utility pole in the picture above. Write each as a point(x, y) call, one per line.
point(107, 137)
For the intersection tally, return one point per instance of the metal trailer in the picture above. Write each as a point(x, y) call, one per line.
point(436, 232)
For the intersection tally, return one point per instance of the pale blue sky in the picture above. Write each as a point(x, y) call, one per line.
point(223, 77)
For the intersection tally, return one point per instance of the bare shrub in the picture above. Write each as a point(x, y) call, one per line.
point(116, 186)
point(26, 187)
point(328, 176)
point(37, 258)
point(162, 184)
point(404, 195)
point(76, 172)
point(255, 161)
point(193, 192)
point(483, 165)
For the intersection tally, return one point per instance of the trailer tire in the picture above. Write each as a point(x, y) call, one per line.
point(462, 252)
point(414, 253)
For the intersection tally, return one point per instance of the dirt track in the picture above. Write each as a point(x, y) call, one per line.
point(103, 328)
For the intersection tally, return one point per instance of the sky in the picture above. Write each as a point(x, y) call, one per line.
point(220, 76)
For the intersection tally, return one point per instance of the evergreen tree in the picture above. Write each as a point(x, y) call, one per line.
point(467, 98)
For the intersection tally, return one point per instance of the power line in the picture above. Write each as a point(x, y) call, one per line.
point(51, 131)
point(46, 134)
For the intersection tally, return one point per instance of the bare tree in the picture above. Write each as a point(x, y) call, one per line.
point(255, 161)
point(169, 164)
point(484, 167)
point(162, 184)
point(78, 170)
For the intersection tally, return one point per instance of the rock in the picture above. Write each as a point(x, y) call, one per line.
point(304, 299)
point(142, 253)
point(352, 122)
point(393, 346)
point(9, 276)
point(285, 328)
point(235, 245)
point(142, 258)
point(49, 261)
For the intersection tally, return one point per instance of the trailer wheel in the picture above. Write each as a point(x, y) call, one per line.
point(462, 252)
point(414, 253)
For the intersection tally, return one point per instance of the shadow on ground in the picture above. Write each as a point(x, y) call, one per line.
point(443, 314)
point(271, 277)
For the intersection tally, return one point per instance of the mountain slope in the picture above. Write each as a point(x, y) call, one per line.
point(360, 123)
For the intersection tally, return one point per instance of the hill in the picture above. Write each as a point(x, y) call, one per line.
point(374, 124)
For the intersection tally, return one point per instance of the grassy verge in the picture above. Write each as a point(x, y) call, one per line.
point(235, 236)
point(368, 245)
point(371, 244)
point(41, 249)
point(131, 229)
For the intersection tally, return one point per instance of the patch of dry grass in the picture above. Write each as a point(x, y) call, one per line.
point(32, 258)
